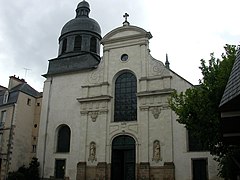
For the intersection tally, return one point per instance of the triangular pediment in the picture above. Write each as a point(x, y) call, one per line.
point(129, 32)
point(125, 33)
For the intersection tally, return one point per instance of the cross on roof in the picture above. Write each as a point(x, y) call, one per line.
point(126, 15)
point(126, 23)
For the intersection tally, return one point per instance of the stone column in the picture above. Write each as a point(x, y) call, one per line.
point(106, 63)
point(143, 60)
point(83, 137)
point(144, 135)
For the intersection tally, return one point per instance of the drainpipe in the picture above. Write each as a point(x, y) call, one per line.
point(10, 142)
point(45, 138)
point(172, 135)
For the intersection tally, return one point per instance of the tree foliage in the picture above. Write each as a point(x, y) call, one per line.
point(198, 107)
point(24, 173)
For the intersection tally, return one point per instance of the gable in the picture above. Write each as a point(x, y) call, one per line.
point(125, 33)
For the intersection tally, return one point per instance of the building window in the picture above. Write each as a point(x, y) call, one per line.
point(124, 57)
point(64, 45)
point(93, 45)
point(194, 144)
point(29, 101)
point(199, 169)
point(125, 104)
point(77, 43)
point(3, 118)
point(63, 139)
point(34, 148)
point(5, 97)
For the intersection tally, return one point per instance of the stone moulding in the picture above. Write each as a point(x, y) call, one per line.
point(155, 111)
point(95, 98)
point(94, 115)
point(157, 92)
point(94, 106)
point(154, 78)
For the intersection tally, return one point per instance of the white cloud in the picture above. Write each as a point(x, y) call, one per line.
point(187, 30)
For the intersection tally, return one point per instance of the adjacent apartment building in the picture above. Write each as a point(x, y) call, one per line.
point(20, 107)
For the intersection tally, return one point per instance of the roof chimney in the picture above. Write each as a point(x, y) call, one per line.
point(14, 81)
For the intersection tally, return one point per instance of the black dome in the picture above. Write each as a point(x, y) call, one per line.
point(81, 24)
point(83, 4)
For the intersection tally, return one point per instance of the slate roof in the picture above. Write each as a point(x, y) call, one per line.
point(14, 92)
point(2, 88)
point(78, 62)
point(231, 96)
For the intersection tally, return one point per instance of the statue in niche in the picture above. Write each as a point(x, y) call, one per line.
point(92, 152)
point(156, 151)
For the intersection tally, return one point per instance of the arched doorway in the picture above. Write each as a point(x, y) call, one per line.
point(123, 158)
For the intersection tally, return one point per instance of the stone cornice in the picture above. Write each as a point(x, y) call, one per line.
point(153, 107)
point(139, 33)
point(94, 98)
point(120, 44)
point(96, 85)
point(154, 78)
point(157, 92)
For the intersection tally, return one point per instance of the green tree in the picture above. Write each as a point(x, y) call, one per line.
point(198, 107)
point(33, 170)
point(29, 173)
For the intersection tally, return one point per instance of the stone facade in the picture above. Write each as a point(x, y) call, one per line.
point(84, 101)
point(143, 171)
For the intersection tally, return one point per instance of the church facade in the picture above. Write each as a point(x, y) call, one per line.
point(108, 117)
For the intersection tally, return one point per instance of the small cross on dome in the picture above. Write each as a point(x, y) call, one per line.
point(126, 15)
point(126, 23)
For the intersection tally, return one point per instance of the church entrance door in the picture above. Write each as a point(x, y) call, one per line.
point(123, 158)
point(60, 168)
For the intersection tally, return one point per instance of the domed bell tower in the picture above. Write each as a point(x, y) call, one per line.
point(79, 44)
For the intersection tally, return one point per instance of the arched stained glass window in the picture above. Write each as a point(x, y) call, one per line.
point(64, 46)
point(77, 43)
point(93, 45)
point(123, 142)
point(63, 139)
point(125, 105)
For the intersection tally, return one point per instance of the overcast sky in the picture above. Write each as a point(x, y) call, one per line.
point(188, 30)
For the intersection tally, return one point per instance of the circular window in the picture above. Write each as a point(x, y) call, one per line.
point(124, 57)
point(35, 125)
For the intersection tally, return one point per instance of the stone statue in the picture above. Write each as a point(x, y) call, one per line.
point(156, 151)
point(92, 152)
